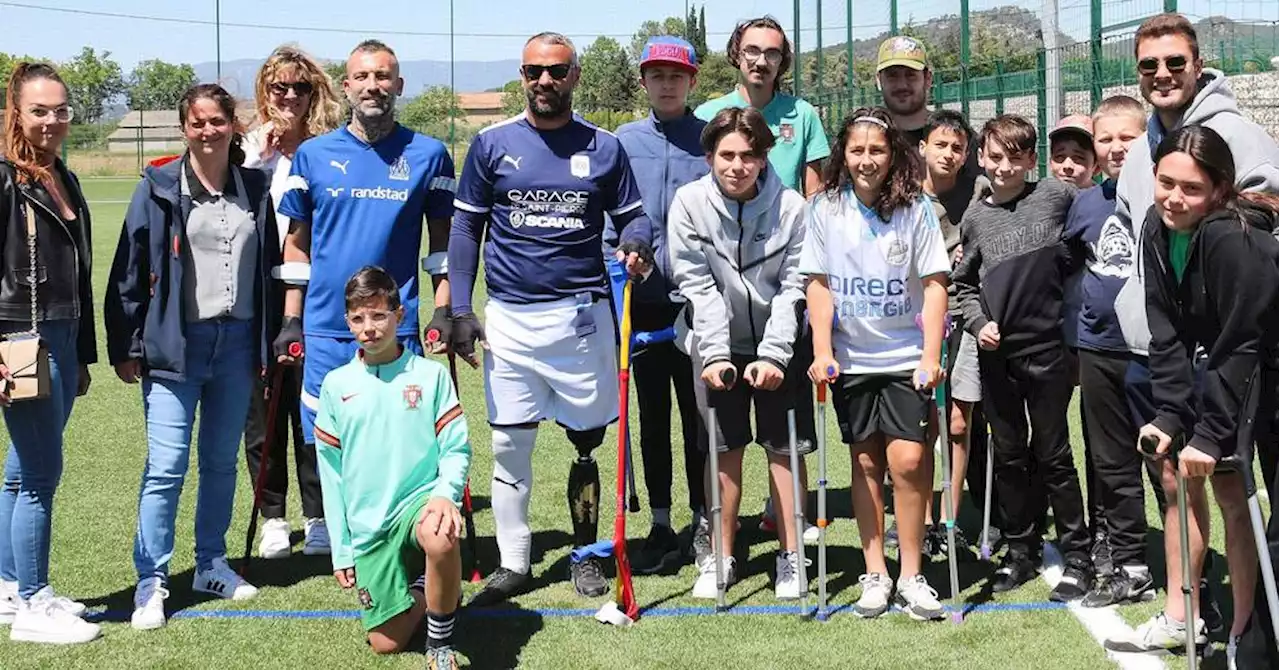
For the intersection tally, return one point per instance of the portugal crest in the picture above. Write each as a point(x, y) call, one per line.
point(412, 396)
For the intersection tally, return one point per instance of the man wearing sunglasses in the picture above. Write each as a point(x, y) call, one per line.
point(535, 189)
point(359, 196)
point(1182, 92)
point(759, 48)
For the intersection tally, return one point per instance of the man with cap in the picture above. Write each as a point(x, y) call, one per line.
point(665, 154)
point(904, 79)
point(759, 48)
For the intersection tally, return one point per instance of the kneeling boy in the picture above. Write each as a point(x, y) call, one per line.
point(394, 458)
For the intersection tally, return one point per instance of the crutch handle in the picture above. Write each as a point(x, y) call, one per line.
point(1149, 444)
point(728, 377)
point(295, 349)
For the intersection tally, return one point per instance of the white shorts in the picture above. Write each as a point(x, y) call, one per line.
point(537, 368)
point(966, 382)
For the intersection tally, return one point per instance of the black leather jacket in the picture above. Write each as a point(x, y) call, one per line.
point(63, 257)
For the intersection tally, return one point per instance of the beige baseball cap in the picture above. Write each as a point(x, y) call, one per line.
point(902, 50)
point(1075, 124)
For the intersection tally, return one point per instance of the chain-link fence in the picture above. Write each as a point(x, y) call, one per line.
point(1040, 60)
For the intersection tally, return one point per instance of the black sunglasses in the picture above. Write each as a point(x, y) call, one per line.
point(1150, 66)
point(299, 88)
point(534, 72)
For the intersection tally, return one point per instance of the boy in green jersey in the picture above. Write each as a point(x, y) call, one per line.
point(394, 458)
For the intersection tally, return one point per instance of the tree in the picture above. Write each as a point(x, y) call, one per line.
point(92, 81)
point(155, 84)
point(701, 44)
point(669, 26)
point(716, 77)
point(434, 105)
point(513, 98)
point(8, 63)
point(337, 71)
point(609, 79)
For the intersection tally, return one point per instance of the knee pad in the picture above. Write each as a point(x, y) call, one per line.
point(585, 441)
point(584, 499)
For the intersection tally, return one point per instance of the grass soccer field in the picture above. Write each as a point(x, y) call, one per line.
point(302, 619)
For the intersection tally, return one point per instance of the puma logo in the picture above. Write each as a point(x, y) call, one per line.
point(515, 162)
point(341, 166)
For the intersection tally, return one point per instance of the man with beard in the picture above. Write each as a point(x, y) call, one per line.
point(759, 48)
point(904, 79)
point(357, 196)
point(536, 188)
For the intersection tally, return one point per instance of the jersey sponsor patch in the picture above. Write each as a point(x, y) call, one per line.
point(580, 166)
point(412, 396)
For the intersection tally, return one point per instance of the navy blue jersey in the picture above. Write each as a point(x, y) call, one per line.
point(367, 205)
point(1089, 319)
point(545, 194)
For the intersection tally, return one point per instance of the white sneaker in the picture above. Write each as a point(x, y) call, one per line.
point(220, 580)
point(876, 589)
point(316, 542)
point(43, 619)
point(275, 539)
point(1233, 646)
point(705, 587)
point(769, 523)
point(787, 584)
point(148, 604)
point(1157, 634)
point(811, 534)
point(918, 599)
point(9, 602)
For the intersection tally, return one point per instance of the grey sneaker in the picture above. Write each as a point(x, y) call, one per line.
point(918, 599)
point(701, 540)
point(1159, 634)
point(876, 591)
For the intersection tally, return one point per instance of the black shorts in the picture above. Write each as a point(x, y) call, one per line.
point(885, 403)
point(733, 413)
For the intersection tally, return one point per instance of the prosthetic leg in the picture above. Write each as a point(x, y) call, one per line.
point(584, 510)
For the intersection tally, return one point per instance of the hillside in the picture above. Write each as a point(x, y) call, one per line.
point(238, 75)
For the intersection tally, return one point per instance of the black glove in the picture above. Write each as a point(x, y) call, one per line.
point(466, 330)
point(641, 249)
point(290, 333)
point(440, 329)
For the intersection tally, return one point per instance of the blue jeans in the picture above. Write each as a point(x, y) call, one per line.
point(33, 466)
point(219, 379)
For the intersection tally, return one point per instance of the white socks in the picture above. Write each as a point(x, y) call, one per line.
point(512, 480)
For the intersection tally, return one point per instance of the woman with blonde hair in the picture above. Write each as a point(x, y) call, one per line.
point(295, 101)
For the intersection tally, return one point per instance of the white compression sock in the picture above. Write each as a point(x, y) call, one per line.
point(512, 480)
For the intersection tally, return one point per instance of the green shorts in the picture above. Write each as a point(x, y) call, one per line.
point(383, 573)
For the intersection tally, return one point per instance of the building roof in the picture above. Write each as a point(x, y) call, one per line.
point(480, 101)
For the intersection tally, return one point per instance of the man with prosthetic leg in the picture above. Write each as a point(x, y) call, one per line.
point(535, 189)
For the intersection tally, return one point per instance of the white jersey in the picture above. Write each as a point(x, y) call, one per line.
point(874, 268)
point(259, 156)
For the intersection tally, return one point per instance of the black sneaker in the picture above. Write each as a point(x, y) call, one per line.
point(1077, 579)
point(891, 535)
point(660, 551)
point(1121, 587)
point(963, 548)
point(1100, 553)
point(935, 542)
point(1209, 610)
point(588, 578)
point(501, 586)
point(994, 539)
point(1014, 571)
point(700, 545)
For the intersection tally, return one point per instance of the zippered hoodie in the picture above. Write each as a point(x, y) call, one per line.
point(1257, 169)
point(664, 155)
point(738, 266)
point(144, 312)
point(1225, 303)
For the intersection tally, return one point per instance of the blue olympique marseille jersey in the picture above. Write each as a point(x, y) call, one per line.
point(546, 193)
point(366, 204)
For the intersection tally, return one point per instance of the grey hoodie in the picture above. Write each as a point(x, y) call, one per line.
point(738, 266)
point(1257, 169)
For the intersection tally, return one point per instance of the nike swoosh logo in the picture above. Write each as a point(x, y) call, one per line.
point(348, 397)
point(514, 485)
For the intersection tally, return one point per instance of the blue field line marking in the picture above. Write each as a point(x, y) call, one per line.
point(515, 612)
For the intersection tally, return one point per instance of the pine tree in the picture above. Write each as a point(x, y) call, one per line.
point(701, 45)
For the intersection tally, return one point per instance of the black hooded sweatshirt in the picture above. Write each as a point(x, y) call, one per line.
point(1226, 304)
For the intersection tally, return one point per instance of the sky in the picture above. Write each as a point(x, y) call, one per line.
point(485, 30)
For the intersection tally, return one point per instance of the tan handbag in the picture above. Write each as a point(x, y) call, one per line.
point(25, 353)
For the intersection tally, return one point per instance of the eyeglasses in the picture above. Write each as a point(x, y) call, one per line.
point(299, 88)
point(360, 319)
point(1149, 66)
point(61, 114)
point(534, 72)
point(771, 56)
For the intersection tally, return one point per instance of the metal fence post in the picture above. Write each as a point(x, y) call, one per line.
point(797, 74)
point(1042, 113)
point(964, 57)
point(817, 19)
point(999, 88)
point(848, 41)
point(893, 17)
point(1095, 53)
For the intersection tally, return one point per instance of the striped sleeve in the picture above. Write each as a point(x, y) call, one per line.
point(441, 187)
point(297, 203)
point(452, 440)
